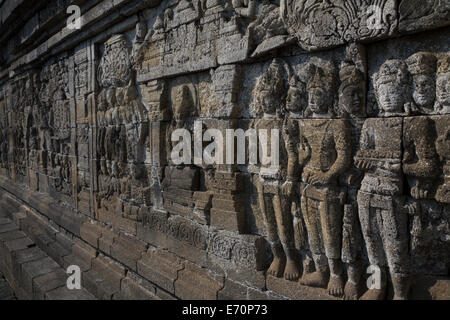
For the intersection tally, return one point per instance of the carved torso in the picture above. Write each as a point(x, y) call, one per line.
point(381, 144)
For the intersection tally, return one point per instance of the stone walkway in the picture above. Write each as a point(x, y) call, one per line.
point(38, 276)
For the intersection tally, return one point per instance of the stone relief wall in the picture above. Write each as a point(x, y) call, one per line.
point(358, 89)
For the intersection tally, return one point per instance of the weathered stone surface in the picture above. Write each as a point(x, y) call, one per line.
point(197, 284)
point(134, 287)
point(63, 293)
point(128, 251)
point(160, 267)
point(294, 290)
point(6, 292)
point(31, 270)
point(48, 282)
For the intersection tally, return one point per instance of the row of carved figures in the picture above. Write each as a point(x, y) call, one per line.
point(353, 172)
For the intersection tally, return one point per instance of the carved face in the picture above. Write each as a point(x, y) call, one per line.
point(268, 102)
point(318, 100)
point(391, 97)
point(443, 89)
point(295, 100)
point(351, 99)
point(424, 90)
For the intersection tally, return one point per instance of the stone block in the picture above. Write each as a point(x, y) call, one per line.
point(195, 283)
point(63, 293)
point(127, 250)
point(33, 269)
point(160, 267)
point(48, 282)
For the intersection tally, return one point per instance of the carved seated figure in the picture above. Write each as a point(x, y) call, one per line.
point(325, 154)
point(267, 24)
point(380, 203)
point(136, 190)
point(276, 185)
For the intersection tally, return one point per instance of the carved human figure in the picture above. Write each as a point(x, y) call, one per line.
point(380, 204)
point(136, 124)
point(136, 189)
point(325, 153)
point(111, 132)
point(276, 182)
point(141, 32)
point(443, 85)
point(182, 106)
point(102, 123)
point(103, 184)
point(422, 67)
point(352, 108)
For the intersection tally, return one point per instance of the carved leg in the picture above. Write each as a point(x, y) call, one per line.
point(331, 222)
point(351, 243)
point(352, 290)
point(278, 264)
point(401, 284)
point(396, 239)
point(320, 277)
point(370, 226)
point(286, 234)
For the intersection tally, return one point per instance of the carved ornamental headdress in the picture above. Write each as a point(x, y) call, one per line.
point(392, 71)
point(323, 78)
point(444, 65)
point(349, 74)
point(272, 80)
point(422, 63)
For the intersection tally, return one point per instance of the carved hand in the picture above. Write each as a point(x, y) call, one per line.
point(363, 164)
point(287, 189)
point(419, 193)
point(411, 208)
point(304, 152)
point(319, 178)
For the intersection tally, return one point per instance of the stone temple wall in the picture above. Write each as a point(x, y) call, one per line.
point(359, 93)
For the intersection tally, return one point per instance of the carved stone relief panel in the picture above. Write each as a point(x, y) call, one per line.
point(318, 24)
